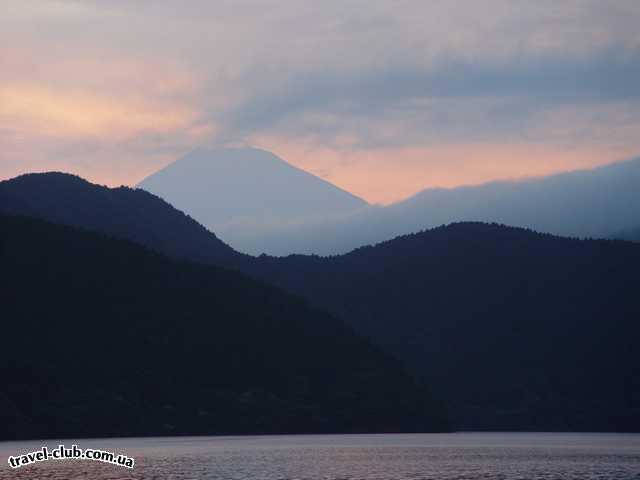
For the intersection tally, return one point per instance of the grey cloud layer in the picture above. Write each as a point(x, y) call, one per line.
point(609, 76)
point(384, 72)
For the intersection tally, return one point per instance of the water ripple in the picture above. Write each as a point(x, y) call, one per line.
point(350, 457)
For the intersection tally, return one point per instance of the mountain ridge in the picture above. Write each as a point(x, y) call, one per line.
point(517, 330)
point(589, 203)
point(103, 337)
point(242, 192)
point(417, 297)
point(123, 212)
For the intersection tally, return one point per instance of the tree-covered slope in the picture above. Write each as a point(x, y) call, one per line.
point(516, 329)
point(133, 214)
point(103, 337)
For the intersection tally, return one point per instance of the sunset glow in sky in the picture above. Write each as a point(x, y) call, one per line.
point(383, 98)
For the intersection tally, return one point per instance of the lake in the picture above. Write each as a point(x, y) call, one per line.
point(457, 456)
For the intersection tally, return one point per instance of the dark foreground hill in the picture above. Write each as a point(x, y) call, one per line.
point(133, 214)
point(517, 330)
point(102, 337)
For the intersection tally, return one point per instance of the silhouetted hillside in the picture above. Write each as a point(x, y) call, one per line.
point(517, 330)
point(103, 337)
point(133, 214)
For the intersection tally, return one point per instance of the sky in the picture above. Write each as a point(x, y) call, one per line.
point(382, 98)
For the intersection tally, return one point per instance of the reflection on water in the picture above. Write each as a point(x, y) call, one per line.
point(331, 457)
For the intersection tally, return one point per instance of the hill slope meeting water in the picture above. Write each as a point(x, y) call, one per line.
point(102, 337)
point(596, 203)
point(243, 194)
point(516, 330)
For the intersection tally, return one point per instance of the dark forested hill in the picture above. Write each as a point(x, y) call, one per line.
point(122, 212)
point(517, 330)
point(104, 337)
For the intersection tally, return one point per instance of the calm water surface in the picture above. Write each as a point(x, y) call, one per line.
point(348, 457)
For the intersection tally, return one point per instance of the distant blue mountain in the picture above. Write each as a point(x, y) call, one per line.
point(597, 203)
point(632, 234)
point(245, 193)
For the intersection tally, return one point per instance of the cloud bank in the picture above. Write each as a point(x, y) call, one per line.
point(383, 98)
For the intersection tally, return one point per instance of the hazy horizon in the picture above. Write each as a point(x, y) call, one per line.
point(381, 99)
point(258, 203)
point(507, 179)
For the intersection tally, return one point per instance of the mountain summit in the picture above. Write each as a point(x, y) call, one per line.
point(241, 192)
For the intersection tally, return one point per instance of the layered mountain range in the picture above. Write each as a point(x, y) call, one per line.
point(104, 337)
point(258, 203)
point(514, 329)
